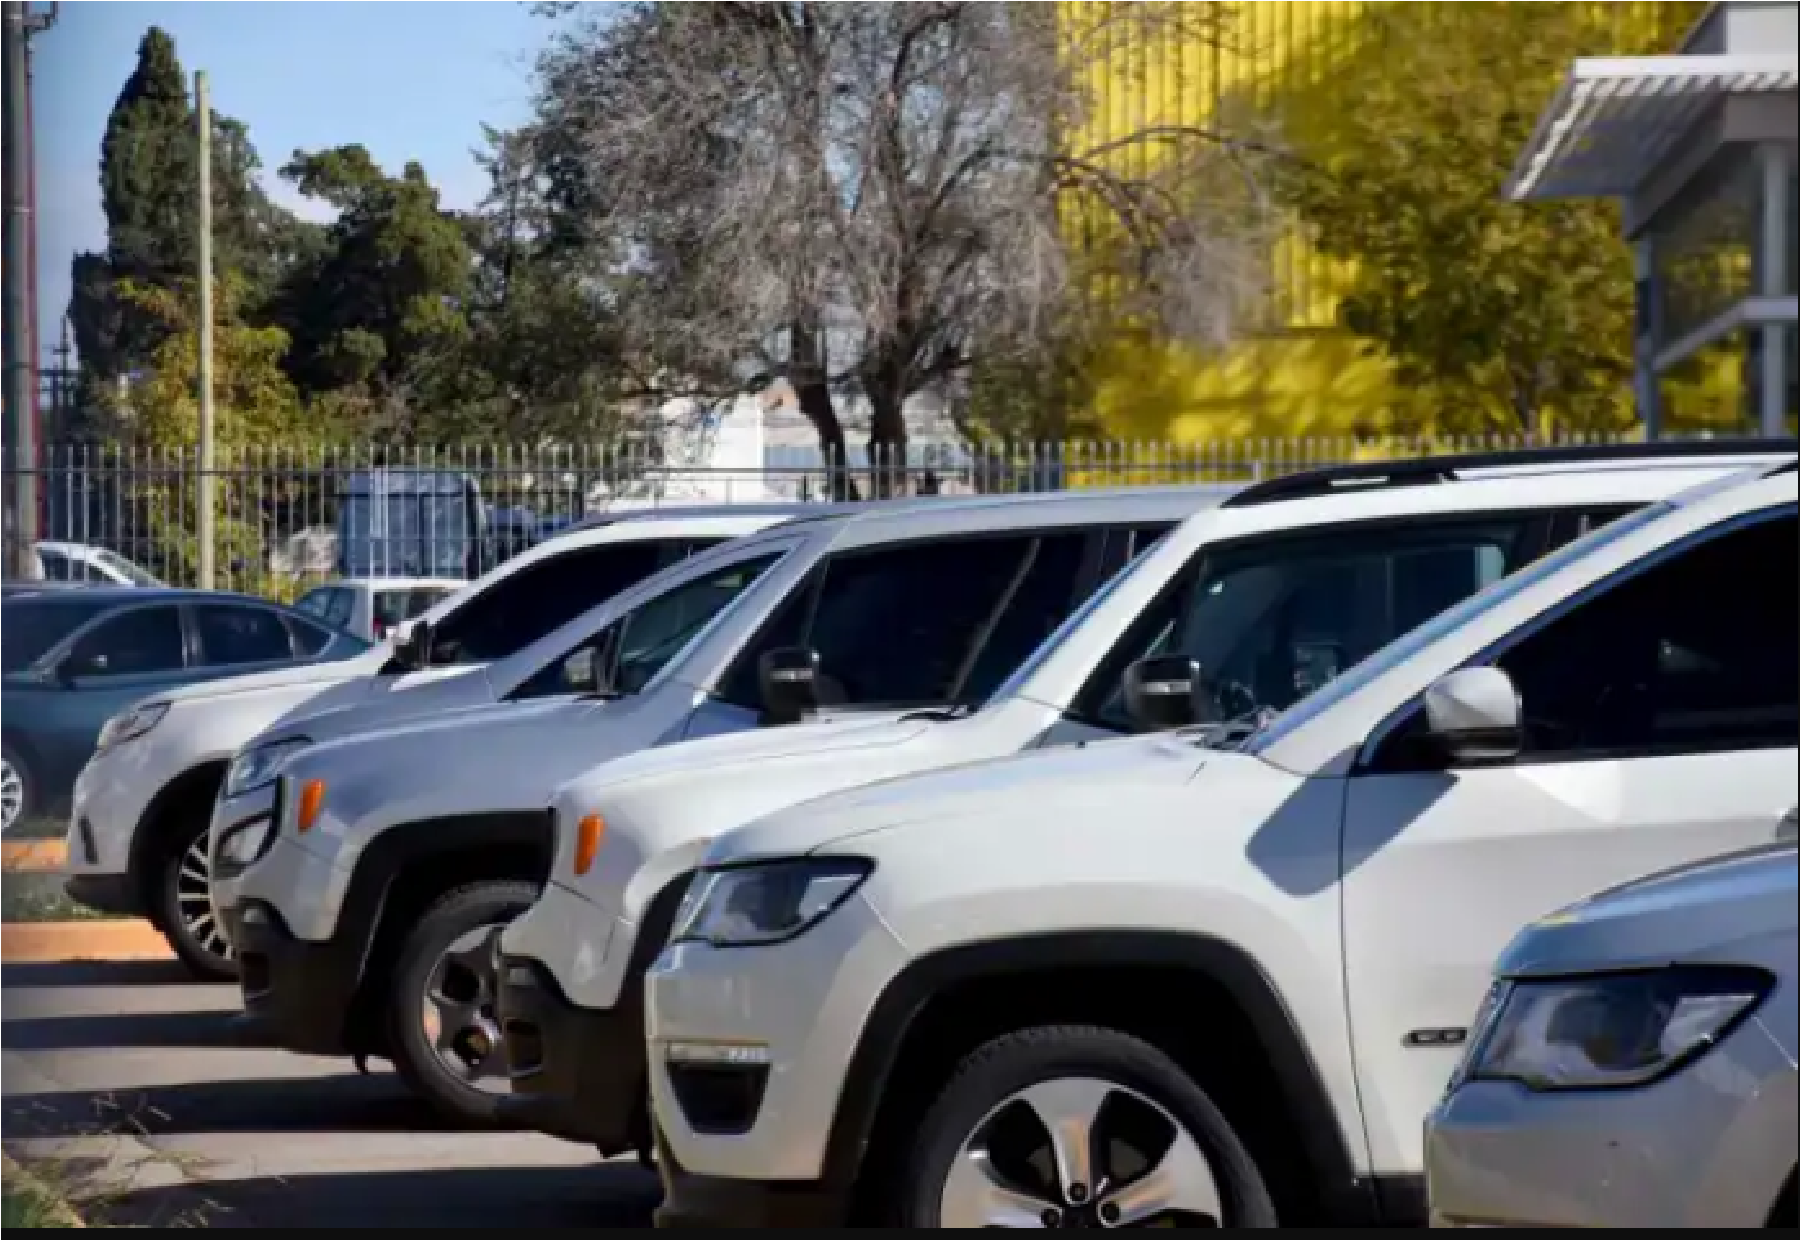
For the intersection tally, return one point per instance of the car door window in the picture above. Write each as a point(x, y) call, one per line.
point(309, 639)
point(627, 654)
point(896, 627)
point(316, 602)
point(31, 627)
point(540, 598)
point(55, 565)
point(1269, 621)
point(1048, 589)
point(231, 635)
point(139, 642)
point(1695, 653)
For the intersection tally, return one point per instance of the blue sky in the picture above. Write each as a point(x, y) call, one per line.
point(407, 80)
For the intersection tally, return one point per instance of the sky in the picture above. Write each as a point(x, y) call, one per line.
point(407, 80)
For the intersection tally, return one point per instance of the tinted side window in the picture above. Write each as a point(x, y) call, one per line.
point(30, 628)
point(309, 639)
point(342, 612)
point(54, 564)
point(1696, 653)
point(139, 642)
point(1046, 593)
point(897, 627)
point(539, 599)
point(315, 602)
point(1269, 622)
point(232, 635)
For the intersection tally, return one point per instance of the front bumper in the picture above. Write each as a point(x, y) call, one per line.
point(750, 1048)
point(298, 996)
point(691, 1201)
point(106, 808)
point(577, 1073)
point(230, 818)
point(1710, 1146)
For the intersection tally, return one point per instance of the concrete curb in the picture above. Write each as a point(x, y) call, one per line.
point(33, 856)
point(34, 1184)
point(61, 942)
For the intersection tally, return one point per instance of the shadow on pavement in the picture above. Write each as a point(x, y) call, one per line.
point(96, 973)
point(345, 1103)
point(602, 1195)
point(140, 1029)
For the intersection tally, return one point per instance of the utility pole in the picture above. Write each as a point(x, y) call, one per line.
point(204, 526)
point(15, 319)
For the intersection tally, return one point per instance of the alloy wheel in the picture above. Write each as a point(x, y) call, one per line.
point(193, 903)
point(12, 794)
point(458, 1014)
point(1080, 1152)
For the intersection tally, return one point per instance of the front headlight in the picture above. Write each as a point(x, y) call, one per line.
point(131, 724)
point(767, 902)
point(1610, 1031)
point(257, 766)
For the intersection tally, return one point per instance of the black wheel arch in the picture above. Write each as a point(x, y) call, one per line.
point(405, 868)
point(929, 989)
point(198, 786)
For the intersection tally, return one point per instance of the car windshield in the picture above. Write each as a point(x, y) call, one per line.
point(1399, 651)
point(31, 626)
point(125, 568)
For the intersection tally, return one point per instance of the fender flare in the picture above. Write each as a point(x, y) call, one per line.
point(401, 848)
point(886, 1030)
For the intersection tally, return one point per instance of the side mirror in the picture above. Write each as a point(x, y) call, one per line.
point(1474, 716)
point(789, 679)
point(1165, 692)
point(581, 671)
point(412, 648)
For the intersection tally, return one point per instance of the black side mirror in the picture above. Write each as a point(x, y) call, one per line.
point(789, 679)
point(1165, 692)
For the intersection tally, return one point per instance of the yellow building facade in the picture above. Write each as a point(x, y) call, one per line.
point(1303, 375)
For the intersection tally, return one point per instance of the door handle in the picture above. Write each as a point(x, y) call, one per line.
point(1789, 827)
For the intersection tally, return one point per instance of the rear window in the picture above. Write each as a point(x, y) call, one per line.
point(30, 627)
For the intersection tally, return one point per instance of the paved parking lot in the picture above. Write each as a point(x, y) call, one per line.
point(123, 1077)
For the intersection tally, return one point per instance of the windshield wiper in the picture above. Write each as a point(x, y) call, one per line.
point(940, 714)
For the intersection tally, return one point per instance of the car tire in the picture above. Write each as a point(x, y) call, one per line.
point(19, 787)
point(183, 909)
point(995, 1112)
point(442, 967)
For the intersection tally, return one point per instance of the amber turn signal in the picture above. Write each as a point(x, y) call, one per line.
point(587, 842)
point(312, 803)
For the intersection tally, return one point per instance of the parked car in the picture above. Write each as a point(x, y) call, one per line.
point(76, 659)
point(67, 561)
point(373, 607)
point(363, 903)
point(1634, 1063)
point(1271, 593)
point(1209, 978)
point(147, 800)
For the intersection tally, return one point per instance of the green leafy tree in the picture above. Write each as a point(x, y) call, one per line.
point(380, 305)
point(148, 188)
point(1498, 316)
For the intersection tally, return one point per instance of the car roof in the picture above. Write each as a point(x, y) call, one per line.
point(162, 594)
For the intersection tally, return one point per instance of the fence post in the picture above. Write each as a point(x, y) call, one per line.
point(204, 498)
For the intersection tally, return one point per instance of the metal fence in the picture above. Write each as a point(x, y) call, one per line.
point(287, 517)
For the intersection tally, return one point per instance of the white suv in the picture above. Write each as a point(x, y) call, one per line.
point(1274, 591)
point(361, 904)
point(1198, 979)
point(137, 833)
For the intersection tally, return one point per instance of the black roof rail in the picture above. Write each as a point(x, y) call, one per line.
point(1430, 470)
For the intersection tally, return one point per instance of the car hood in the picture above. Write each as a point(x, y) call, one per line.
point(1687, 913)
point(732, 750)
point(366, 663)
point(1073, 778)
point(458, 730)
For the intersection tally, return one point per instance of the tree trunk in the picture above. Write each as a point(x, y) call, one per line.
point(887, 440)
point(806, 375)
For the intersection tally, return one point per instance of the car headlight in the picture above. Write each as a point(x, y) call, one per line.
point(1610, 1031)
point(766, 902)
point(131, 724)
point(257, 766)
